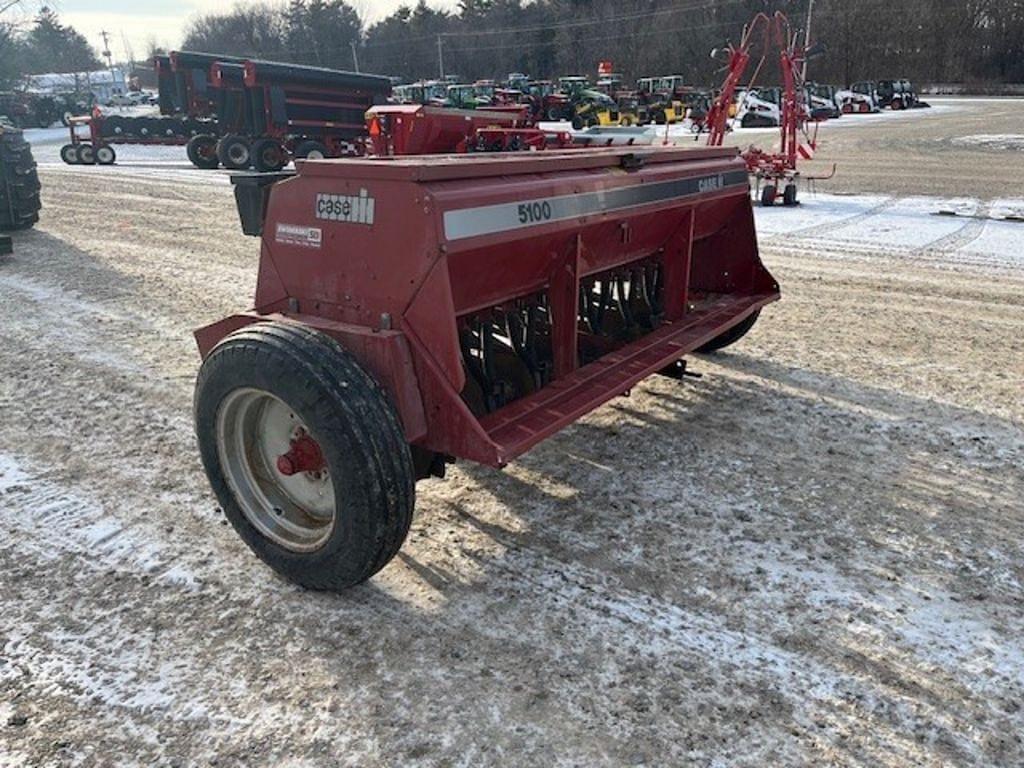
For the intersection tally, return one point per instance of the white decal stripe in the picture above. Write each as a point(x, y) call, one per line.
point(503, 217)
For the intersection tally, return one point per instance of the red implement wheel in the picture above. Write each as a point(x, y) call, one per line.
point(85, 154)
point(305, 453)
point(311, 150)
point(105, 155)
point(69, 154)
point(768, 195)
point(234, 153)
point(268, 155)
point(731, 336)
point(202, 151)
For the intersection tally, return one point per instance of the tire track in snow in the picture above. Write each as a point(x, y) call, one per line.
point(53, 521)
point(827, 227)
point(973, 229)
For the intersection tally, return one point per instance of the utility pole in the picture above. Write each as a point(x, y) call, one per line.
point(114, 89)
point(355, 57)
point(440, 59)
point(106, 50)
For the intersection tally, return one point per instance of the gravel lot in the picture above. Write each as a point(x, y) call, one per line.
point(810, 556)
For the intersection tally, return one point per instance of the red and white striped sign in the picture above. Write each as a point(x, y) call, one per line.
point(806, 151)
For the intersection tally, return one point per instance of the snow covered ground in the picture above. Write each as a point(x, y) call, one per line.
point(947, 230)
point(810, 556)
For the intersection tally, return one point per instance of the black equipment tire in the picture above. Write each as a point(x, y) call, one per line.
point(202, 151)
point(731, 336)
point(368, 463)
point(19, 182)
point(789, 195)
point(768, 195)
point(315, 148)
point(69, 154)
point(234, 153)
point(105, 155)
point(268, 155)
point(85, 154)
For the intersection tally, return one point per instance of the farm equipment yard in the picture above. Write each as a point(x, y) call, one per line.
point(812, 555)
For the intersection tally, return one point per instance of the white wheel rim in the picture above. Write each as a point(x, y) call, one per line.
point(253, 430)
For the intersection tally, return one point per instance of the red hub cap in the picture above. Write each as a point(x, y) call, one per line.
point(303, 456)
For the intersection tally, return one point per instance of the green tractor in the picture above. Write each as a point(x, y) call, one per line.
point(469, 96)
point(19, 182)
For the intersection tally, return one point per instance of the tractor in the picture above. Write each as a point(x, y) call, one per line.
point(548, 101)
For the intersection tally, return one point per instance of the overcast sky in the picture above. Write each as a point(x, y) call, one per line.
point(140, 21)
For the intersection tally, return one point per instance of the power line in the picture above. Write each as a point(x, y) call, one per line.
point(592, 22)
point(539, 43)
point(557, 25)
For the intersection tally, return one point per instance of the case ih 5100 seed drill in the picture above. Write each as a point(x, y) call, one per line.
point(414, 310)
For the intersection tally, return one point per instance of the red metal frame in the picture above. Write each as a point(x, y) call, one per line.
point(780, 166)
point(402, 259)
point(348, 102)
point(94, 126)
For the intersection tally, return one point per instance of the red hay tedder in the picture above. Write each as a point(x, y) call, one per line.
point(776, 170)
point(414, 310)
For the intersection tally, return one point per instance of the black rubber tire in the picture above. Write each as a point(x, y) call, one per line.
point(577, 123)
point(202, 152)
point(359, 433)
point(268, 155)
point(789, 195)
point(69, 154)
point(19, 182)
point(234, 153)
point(105, 155)
point(731, 336)
point(768, 195)
point(85, 154)
point(303, 150)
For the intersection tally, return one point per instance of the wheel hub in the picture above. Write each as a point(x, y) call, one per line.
point(304, 455)
point(276, 470)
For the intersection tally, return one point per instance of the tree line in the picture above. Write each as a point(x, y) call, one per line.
point(42, 45)
point(969, 41)
point(966, 41)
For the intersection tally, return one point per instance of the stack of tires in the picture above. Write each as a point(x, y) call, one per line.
point(19, 182)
